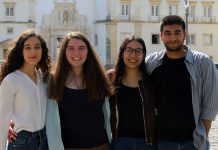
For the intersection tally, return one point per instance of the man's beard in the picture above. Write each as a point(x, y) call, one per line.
point(175, 49)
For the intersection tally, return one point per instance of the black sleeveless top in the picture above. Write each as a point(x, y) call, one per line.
point(129, 102)
point(82, 120)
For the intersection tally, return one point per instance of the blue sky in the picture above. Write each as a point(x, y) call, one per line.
point(43, 7)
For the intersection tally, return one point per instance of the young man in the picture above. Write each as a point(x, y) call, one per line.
point(186, 90)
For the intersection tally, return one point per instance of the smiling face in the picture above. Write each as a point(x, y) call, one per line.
point(173, 37)
point(76, 53)
point(32, 51)
point(133, 55)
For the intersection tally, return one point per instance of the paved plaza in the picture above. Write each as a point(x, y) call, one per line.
point(213, 136)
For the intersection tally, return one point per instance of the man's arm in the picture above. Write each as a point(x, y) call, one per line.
point(209, 95)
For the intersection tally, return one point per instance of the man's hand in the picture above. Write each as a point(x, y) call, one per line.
point(207, 125)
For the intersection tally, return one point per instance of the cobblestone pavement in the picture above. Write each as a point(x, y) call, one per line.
point(213, 135)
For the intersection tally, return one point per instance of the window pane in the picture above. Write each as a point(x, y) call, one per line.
point(208, 38)
point(155, 39)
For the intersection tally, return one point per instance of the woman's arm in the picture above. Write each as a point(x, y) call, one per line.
point(6, 109)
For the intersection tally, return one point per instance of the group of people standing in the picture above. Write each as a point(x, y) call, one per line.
point(165, 101)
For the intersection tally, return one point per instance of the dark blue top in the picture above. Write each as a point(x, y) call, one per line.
point(82, 120)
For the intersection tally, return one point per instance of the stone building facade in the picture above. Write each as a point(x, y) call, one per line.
point(63, 19)
point(107, 22)
point(14, 19)
point(142, 17)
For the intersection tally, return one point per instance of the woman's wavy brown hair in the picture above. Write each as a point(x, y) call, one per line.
point(94, 75)
point(15, 58)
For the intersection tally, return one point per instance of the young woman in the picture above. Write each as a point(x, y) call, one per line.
point(78, 112)
point(79, 86)
point(22, 93)
point(133, 102)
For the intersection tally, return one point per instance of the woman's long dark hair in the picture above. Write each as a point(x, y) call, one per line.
point(94, 76)
point(120, 65)
point(15, 58)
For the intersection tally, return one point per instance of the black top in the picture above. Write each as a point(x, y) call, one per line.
point(82, 120)
point(130, 112)
point(174, 100)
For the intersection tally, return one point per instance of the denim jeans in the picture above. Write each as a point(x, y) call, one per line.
point(30, 141)
point(168, 145)
point(126, 143)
